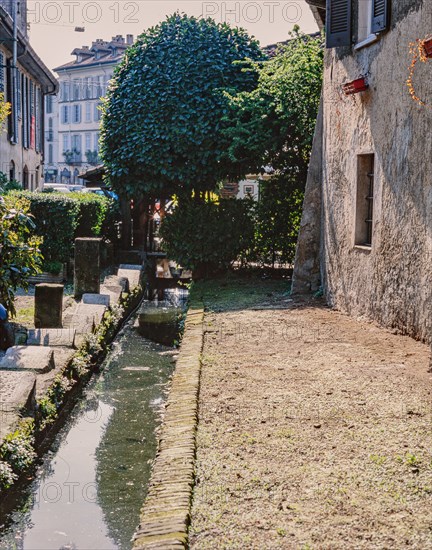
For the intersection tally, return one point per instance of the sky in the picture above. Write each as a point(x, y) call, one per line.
point(53, 22)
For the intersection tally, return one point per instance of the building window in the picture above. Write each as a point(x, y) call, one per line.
point(65, 91)
point(76, 143)
point(373, 19)
point(88, 142)
point(365, 200)
point(50, 135)
point(49, 104)
point(364, 20)
point(96, 142)
point(76, 113)
point(50, 153)
point(76, 89)
point(65, 142)
point(88, 109)
point(65, 114)
point(97, 113)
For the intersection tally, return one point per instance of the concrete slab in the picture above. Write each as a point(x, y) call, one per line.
point(86, 317)
point(54, 337)
point(17, 396)
point(96, 299)
point(32, 358)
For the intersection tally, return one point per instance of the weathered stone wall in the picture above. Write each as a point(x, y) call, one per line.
point(391, 282)
point(306, 275)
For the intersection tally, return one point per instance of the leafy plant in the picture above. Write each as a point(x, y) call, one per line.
point(162, 127)
point(52, 267)
point(7, 476)
point(207, 236)
point(276, 120)
point(5, 109)
point(92, 156)
point(9, 185)
point(17, 448)
point(20, 256)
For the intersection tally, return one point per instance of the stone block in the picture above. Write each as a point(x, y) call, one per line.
point(96, 299)
point(63, 337)
point(31, 358)
point(86, 266)
point(48, 305)
point(86, 317)
point(113, 291)
point(17, 390)
point(132, 273)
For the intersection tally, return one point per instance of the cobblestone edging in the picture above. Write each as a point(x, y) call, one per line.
point(165, 516)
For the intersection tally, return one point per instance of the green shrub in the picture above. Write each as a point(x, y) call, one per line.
point(19, 248)
point(92, 212)
point(278, 216)
point(17, 448)
point(56, 217)
point(208, 236)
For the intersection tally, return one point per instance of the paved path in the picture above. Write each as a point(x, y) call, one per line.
point(315, 430)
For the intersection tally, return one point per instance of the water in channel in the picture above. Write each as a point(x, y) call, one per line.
point(88, 491)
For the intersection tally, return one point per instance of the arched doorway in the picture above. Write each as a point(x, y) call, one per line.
point(25, 178)
point(12, 171)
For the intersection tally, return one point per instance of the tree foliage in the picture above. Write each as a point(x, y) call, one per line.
point(163, 125)
point(275, 121)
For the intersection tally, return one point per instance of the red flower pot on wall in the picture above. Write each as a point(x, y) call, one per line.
point(427, 46)
point(356, 86)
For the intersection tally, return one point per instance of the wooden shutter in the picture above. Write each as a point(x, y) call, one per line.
point(380, 15)
point(338, 23)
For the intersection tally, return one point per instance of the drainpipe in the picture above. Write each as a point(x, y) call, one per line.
point(14, 72)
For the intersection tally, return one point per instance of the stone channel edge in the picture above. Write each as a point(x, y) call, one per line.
point(165, 515)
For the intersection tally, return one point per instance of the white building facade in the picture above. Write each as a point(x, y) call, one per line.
point(72, 119)
point(25, 83)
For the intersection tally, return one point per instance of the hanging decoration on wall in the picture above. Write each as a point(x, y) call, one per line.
point(421, 50)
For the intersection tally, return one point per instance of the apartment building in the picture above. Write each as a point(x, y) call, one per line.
point(72, 118)
point(25, 81)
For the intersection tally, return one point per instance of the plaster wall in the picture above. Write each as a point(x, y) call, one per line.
point(390, 282)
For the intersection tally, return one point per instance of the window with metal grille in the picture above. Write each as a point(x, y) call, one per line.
point(365, 200)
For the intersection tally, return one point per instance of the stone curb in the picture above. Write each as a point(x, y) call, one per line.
point(165, 516)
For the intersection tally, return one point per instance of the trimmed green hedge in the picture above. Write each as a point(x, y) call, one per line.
point(92, 213)
point(60, 218)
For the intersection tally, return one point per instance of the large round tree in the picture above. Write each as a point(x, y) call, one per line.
point(162, 124)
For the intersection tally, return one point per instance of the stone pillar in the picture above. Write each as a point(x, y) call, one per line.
point(87, 266)
point(48, 306)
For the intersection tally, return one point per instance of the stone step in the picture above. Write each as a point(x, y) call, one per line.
point(96, 299)
point(132, 272)
point(86, 317)
point(31, 358)
point(54, 337)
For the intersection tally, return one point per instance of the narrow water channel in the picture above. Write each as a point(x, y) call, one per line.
point(88, 492)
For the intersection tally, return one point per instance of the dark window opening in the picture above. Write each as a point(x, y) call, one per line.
point(365, 200)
